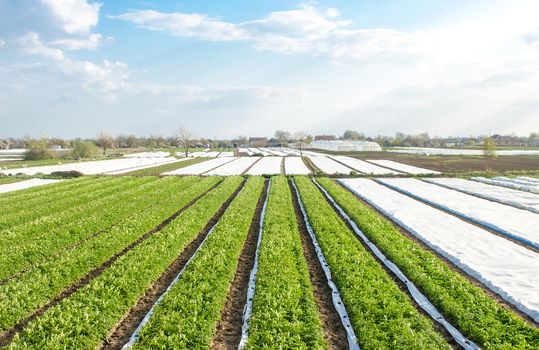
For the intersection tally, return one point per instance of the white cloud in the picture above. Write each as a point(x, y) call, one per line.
point(189, 25)
point(75, 16)
point(106, 76)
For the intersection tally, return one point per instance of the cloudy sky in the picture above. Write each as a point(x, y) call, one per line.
point(71, 68)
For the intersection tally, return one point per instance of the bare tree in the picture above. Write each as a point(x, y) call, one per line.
point(302, 139)
point(184, 140)
point(105, 140)
point(489, 148)
point(282, 137)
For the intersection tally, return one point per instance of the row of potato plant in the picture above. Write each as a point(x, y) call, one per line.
point(471, 310)
point(47, 281)
point(382, 315)
point(284, 315)
point(31, 244)
point(84, 320)
point(187, 316)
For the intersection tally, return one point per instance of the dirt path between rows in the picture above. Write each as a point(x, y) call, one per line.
point(228, 333)
point(127, 325)
point(444, 260)
point(7, 336)
point(334, 331)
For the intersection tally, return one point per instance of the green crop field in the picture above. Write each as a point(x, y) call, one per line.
point(214, 262)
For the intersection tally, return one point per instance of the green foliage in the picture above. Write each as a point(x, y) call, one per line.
point(195, 303)
point(84, 149)
point(489, 148)
point(469, 309)
point(84, 320)
point(285, 315)
point(38, 150)
point(382, 315)
point(57, 273)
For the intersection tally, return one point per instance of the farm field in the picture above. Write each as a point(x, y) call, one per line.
point(288, 262)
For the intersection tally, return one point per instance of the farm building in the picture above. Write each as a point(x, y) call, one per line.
point(346, 146)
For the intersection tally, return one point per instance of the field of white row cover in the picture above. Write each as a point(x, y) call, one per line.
point(21, 185)
point(506, 267)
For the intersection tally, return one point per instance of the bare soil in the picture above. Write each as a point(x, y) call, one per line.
point(228, 331)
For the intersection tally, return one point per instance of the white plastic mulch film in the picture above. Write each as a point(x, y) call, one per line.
point(506, 220)
point(504, 195)
point(506, 268)
point(21, 185)
point(419, 297)
point(405, 168)
point(295, 166)
point(335, 295)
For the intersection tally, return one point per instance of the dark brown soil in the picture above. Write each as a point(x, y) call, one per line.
point(283, 171)
point(447, 262)
point(462, 164)
point(7, 336)
point(310, 165)
point(228, 333)
point(121, 333)
point(334, 331)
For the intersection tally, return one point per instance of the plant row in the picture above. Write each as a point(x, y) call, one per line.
point(187, 316)
point(284, 315)
point(465, 305)
point(84, 320)
point(382, 315)
point(33, 243)
point(21, 296)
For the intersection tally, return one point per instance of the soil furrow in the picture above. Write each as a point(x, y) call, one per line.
point(334, 331)
point(397, 281)
point(444, 260)
point(121, 334)
point(228, 332)
point(7, 336)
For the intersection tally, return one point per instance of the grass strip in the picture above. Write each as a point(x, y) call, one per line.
point(21, 297)
point(187, 316)
point(44, 241)
point(157, 170)
point(382, 315)
point(465, 305)
point(83, 320)
point(284, 314)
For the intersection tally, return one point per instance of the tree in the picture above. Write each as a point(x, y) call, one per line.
point(352, 135)
point(37, 150)
point(84, 149)
point(184, 139)
point(282, 137)
point(489, 148)
point(302, 139)
point(105, 141)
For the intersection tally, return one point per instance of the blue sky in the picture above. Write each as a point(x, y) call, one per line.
point(72, 68)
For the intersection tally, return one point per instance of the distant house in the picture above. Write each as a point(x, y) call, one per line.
point(258, 141)
point(324, 138)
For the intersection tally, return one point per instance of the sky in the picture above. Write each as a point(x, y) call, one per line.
point(73, 68)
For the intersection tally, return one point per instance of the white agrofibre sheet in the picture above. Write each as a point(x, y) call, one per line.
point(509, 183)
point(236, 167)
point(93, 167)
point(21, 185)
point(364, 167)
point(515, 198)
point(201, 154)
point(329, 166)
point(290, 151)
point(266, 166)
point(123, 171)
point(200, 168)
point(226, 154)
point(504, 267)
point(405, 168)
point(147, 154)
point(519, 224)
point(274, 151)
point(245, 150)
point(295, 166)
